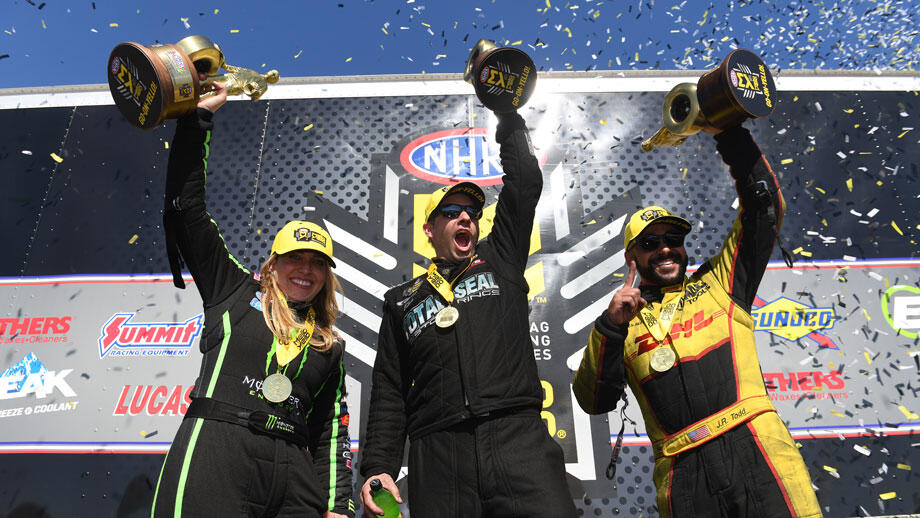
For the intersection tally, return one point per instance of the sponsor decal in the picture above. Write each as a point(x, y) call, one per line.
point(121, 337)
point(793, 320)
point(454, 155)
point(256, 301)
point(685, 329)
point(30, 330)
point(177, 60)
point(746, 80)
point(153, 400)
point(424, 313)
point(29, 378)
point(115, 66)
point(901, 307)
point(783, 386)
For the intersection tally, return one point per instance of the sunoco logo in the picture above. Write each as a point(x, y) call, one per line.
point(793, 320)
point(120, 337)
point(454, 155)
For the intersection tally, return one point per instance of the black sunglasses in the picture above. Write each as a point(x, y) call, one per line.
point(453, 211)
point(651, 242)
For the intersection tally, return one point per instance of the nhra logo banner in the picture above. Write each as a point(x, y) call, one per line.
point(121, 338)
point(454, 155)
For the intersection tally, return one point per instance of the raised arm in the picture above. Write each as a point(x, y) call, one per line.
point(191, 233)
point(741, 262)
point(517, 202)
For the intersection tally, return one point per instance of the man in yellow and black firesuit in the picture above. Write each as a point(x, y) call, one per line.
point(686, 347)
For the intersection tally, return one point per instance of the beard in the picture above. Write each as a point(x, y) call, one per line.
point(649, 275)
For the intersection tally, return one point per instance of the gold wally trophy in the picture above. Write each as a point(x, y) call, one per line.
point(740, 88)
point(157, 82)
point(504, 77)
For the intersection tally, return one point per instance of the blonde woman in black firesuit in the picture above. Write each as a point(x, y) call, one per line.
point(267, 431)
point(686, 347)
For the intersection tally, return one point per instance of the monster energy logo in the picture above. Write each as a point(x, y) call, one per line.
point(272, 420)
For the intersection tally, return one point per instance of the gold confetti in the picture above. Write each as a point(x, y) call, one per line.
point(836, 413)
point(850, 184)
point(234, 31)
point(888, 496)
point(895, 226)
point(907, 413)
point(43, 24)
point(56, 158)
point(318, 192)
point(822, 191)
point(905, 467)
point(133, 239)
point(216, 11)
point(113, 24)
point(308, 127)
point(384, 29)
point(830, 469)
point(805, 253)
point(603, 122)
point(868, 358)
point(298, 54)
point(849, 110)
point(166, 144)
point(786, 161)
point(347, 60)
point(905, 132)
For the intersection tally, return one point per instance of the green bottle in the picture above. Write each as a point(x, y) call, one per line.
point(384, 500)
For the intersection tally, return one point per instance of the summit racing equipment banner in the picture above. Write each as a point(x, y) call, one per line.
point(100, 351)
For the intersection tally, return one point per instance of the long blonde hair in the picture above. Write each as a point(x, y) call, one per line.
point(280, 319)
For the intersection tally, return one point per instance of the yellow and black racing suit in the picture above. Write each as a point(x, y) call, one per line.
point(720, 447)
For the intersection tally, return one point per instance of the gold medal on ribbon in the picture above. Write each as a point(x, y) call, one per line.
point(663, 358)
point(447, 317)
point(276, 388)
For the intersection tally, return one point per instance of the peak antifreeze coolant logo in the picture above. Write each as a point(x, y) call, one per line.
point(120, 337)
point(793, 320)
point(29, 376)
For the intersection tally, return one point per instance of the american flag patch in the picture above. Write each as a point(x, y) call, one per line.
point(698, 433)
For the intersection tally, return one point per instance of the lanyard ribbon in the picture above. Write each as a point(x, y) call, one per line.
point(289, 350)
point(660, 327)
point(440, 284)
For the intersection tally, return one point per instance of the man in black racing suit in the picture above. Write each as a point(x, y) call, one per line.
point(464, 387)
point(236, 453)
point(686, 347)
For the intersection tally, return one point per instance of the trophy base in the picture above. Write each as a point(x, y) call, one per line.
point(152, 83)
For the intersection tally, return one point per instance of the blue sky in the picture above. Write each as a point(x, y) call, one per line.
point(53, 42)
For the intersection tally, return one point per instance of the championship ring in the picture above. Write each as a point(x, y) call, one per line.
point(663, 358)
point(740, 88)
point(447, 317)
point(157, 82)
point(503, 77)
point(276, 388)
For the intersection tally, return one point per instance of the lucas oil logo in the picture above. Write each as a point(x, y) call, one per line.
point(121, 337)
point(793, 320)
point(454, 155)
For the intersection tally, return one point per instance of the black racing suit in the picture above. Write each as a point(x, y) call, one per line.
point(720, 447)
point(237, 454)
point(469, 396)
